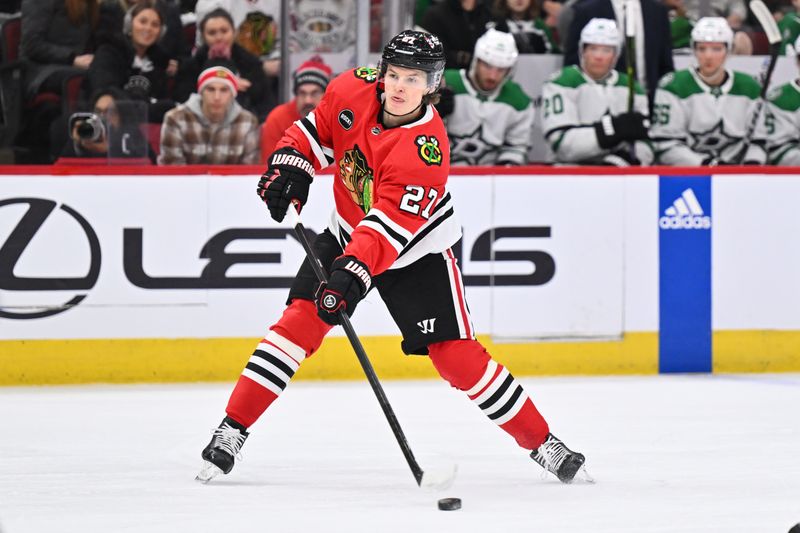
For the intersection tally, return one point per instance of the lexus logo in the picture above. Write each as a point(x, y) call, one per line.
point(39, 212)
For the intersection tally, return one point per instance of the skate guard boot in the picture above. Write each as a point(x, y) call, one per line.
point(554, 456)
point(223, 450)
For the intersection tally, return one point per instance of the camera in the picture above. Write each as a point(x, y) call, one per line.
point(90, 127)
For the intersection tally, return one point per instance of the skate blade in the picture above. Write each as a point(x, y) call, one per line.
point(583, 476)
point(208, 472)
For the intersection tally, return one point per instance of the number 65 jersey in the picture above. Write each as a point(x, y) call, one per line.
point(392, 204)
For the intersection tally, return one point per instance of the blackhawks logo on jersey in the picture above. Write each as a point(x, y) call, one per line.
point(357, 177)
point(368, 74)
point(429, 150)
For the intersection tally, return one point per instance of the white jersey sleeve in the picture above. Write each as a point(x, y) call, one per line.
point(517, 142)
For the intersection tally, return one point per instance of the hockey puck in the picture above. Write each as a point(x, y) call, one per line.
point(449, 504)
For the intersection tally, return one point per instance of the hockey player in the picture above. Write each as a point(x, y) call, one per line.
point(585, 115)
point(701, 114)
point(392, 229)
point(492, 116)
point(782, 121)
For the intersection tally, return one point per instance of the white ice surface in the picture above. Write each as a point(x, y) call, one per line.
point(670, 453)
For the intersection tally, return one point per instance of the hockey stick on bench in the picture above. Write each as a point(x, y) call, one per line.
point(770, 27)
point(439, 480)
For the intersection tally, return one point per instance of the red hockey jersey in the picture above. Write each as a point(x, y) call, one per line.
point(392, 204)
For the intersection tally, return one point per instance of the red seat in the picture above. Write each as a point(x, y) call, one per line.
point(760, 43)
point(152, 133)
point(11, 35)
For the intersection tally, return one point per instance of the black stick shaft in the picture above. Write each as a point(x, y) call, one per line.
point(363, 359)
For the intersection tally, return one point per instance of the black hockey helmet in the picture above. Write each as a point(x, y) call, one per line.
point(415, 49)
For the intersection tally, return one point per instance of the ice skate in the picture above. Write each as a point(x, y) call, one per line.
point(223, 450)
point(554, 456)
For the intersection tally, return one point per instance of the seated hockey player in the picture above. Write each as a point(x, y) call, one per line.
point(492, 117)
point(701, 114)
point(782, 121)
point(585, 117)
point(392, 229)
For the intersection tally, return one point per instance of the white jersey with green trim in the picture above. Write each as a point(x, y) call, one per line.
point(572, 102)
point(782, 123)
point(693, 122)
point(488, 130)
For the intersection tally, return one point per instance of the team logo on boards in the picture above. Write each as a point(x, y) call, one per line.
point(357, 177)
point(429, 150)
point(368, 74)
point(685, 213)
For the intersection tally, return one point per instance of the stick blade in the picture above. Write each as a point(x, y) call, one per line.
point(439, 479)
point(767, 21)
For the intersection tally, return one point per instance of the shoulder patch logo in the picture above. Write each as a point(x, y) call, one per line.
point(346, 119)
point(666, 80)
point(429, 150)
point(368, 74)
point(774, 93)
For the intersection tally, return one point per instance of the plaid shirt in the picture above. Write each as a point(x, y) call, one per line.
point(188, 138)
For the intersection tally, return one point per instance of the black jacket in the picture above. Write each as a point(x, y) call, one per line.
point(113, 66)
point(657, 37)
point(457, 29)
point(255, 99)
point(110, 22)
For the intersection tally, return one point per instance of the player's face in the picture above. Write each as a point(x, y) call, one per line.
point(216, 98)
point(307, 98)
point(145, 28)
point(489, 77)
point(598, 60)
point(710, 57)
point(218, 31)
point(404, 89)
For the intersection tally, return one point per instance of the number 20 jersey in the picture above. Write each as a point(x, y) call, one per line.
point(392, 204)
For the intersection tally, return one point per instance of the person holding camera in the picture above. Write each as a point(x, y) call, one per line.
point(111, 129)
point(134, 62)
point(211, 128)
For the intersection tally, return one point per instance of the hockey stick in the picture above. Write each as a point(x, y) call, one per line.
point(770, 27)
point(438, 480)
point(630, 62)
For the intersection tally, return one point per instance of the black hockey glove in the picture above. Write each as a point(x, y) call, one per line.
point(287, 179)
point(347, 285)
point(625, 127)
point(621, 158)
point(447, 101)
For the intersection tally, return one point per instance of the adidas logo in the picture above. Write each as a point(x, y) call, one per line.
point(685, 213)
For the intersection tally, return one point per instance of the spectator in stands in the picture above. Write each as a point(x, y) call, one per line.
point(113, 132)
point(782, 121)
point(217, 30)
point(134, 62)
point(211, 128)
point(679, 25)
point(585, 116)
point(57, 44)
point(523, 20)
point(653, 40)
point(458, 24)
point(310, 81)
point(112, 18)
point(491, 118)
point(57, 39)
point(255, 24)
point(701, 114)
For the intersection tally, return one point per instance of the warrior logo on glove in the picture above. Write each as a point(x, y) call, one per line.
point(286, 180)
